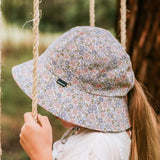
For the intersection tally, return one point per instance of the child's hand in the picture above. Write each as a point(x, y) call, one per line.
point(36, 138)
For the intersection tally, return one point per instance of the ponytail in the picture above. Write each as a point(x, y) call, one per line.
point(145, 142)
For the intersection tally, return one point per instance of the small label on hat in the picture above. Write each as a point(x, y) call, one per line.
point(61, 82)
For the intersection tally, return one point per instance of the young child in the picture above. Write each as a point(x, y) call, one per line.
point(86, 80)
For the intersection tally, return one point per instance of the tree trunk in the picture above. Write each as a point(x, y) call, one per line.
point(143, 43)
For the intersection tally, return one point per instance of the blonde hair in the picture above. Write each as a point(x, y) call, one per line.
point(145, 144)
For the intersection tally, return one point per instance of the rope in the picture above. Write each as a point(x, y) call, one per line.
point(92, 12)
point(35, 55)
point(0, 80)
point(123, 23)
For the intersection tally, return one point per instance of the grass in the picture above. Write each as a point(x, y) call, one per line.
point(17, 48)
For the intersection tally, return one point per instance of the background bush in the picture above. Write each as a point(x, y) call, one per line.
point(58, 15)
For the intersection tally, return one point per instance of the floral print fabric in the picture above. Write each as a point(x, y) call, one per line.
point(98, 74)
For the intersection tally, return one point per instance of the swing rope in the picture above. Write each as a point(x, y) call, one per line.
point(92, 12)
point(35, 55)
point(123, 23)
point(0, 79)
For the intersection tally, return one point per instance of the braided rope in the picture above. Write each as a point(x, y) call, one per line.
point(0, 80)
point(123, 23)
point(92, 12)
point(35, 55)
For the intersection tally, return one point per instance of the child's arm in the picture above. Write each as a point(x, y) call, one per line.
point(36, 139)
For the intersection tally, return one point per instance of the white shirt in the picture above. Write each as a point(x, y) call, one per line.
point(91, 145)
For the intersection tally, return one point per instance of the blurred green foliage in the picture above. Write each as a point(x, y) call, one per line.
point(17, 48)
point(58, 15)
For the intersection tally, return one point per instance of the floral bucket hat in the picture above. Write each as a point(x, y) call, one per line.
point(84, 76)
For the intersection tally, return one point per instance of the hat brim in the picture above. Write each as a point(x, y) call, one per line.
point(107, 114)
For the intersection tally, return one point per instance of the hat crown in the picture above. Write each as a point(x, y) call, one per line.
point(82, 78)
point(92, 60)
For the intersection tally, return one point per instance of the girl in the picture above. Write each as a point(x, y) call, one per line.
point(86, 80)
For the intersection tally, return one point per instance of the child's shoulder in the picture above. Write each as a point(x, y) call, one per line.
point(97, 135)
point(101, 139)
point(98, 144)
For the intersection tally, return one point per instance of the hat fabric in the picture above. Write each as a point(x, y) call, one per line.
point(83, 77)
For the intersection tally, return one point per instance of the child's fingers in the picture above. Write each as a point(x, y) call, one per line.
point(44, 121)
point(28, 118)
point(21, 137)
point(22, 129)
point(21, 141)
